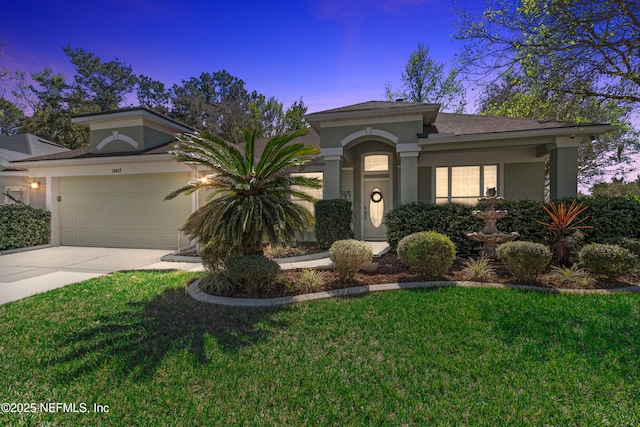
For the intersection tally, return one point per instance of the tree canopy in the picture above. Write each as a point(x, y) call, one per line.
point(593, 44)
point(424, 80)
point(216, 102)
point(576, 61)
point(516, 94)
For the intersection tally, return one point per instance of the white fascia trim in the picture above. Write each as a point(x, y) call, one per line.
point(15, 173)
point(149, 158)
point(369, 131)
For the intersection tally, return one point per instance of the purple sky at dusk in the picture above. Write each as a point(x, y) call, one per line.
point(331, 53)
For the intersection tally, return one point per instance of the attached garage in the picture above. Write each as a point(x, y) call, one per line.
point(127, 211)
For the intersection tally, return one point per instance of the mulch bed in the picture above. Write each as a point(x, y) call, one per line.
point(388, 269)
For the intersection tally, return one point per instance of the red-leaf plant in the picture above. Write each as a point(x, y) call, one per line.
point(564, 223)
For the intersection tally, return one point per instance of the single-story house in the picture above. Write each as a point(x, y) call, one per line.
point(376, 154)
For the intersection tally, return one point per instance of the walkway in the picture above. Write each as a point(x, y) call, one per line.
point(29, 272)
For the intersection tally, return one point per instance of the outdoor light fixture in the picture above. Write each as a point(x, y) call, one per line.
point(35, 185)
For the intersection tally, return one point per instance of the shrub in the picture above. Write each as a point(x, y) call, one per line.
point(608, 260)
point(349, 256)
point(215, 252)
point(632, 245)
point(574, 276)
point(427, 252)
point(333, 221)
point(454, 220)
point(216, 283)
point(479, 270)
point(22, 226)
point(564, 223)
point(254, 274)
point(282, 251)
point(524, 259)
point(309, 281)
point(613, 217)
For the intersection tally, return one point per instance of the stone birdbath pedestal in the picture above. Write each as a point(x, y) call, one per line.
point(490, 235)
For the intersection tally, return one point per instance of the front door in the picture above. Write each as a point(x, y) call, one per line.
point(376, 201)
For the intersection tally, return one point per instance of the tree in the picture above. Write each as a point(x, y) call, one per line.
point(592, 44)
point(48, 98)
point(265, 115)
point(518, 94)
point(249, 202)
point(10, 118)
point(424, 80)
point(153, 94)
point(294, 117)
point(217, 103)
point(617, 187)
point(103, 86)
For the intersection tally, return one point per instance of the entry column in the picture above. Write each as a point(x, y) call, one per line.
point(332, 172)
point(563, 171)
point(409, 154)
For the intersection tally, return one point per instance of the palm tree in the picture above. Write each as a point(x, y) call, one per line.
point(249, 203)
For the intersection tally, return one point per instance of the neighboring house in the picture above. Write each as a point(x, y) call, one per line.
point(376, 154)
point(15, 181)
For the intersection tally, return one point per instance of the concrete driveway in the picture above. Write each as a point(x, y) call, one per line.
point(31, 272)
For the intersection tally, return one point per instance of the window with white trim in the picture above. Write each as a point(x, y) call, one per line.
point(376, 163)
point(314, 192)
point(464, 184)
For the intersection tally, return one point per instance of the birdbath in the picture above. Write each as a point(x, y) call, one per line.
point(490, 236)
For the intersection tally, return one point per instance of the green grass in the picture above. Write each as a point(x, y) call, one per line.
point(137, 343)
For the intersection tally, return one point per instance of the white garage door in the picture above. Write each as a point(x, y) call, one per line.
point(126, 211)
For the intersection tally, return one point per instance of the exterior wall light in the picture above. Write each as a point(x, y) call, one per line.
point(35, 185)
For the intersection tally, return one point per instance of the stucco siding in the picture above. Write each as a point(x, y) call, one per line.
point(524, 181)
point(424, 185)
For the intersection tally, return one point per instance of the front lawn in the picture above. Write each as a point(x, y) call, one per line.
point(137, 343)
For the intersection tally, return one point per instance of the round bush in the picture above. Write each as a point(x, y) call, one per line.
point(349, 256)
point(252, 273)
point(427, 252)
point(608, 260)
point(525, 259)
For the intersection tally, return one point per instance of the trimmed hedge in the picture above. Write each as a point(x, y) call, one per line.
point(333, 221)
point(454, 220)
point(525, 259)
point(611, 217)
point(608, 260)
point(427, 252)
point(349, 256)
point(22, 226)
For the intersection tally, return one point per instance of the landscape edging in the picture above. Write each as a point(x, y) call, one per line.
point(199, 295)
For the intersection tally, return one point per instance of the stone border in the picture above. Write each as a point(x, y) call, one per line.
point(196, 293)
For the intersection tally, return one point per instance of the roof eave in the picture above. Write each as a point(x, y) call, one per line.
point(85, 161)
point(429, 113)
point(434, 139)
